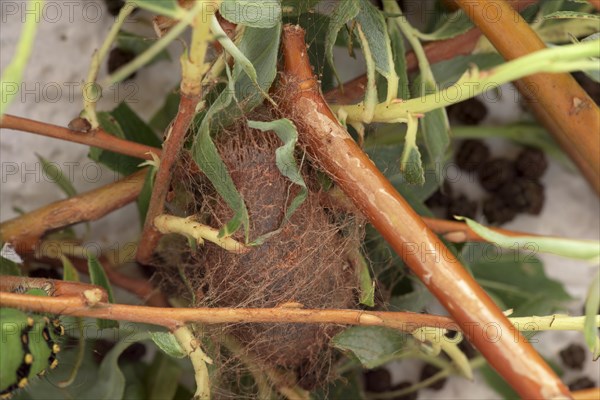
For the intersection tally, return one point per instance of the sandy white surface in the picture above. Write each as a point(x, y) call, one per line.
point(60, 59)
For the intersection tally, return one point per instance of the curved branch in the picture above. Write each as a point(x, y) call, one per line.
point(25, 231)
point(335, 151)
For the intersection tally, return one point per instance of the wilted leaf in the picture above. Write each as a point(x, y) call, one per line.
point(453, 25)
point(123, 123)
point(98, 277)
point(343, 12)
point(110, 381)
point(372, 345)
point(162, 377)
point(410, 163)
point(284, 156)
point(517, 279)
point(54, 173)
point(374, 27)
point(588, 250)
point(167, 342)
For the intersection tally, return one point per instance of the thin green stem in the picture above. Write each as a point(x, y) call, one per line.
point(192, 347)
point(391, 6)
point(557, 322)
point(13, 74)
point(559, 59)
point(91, 91)
point(157, 47)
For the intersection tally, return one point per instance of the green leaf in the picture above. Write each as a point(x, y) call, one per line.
point(167, 342)
point(110, 382)
point(236, 53)
point(374, 27)
point(123, 123)
point(399, 53)
point(9, 267)
point(53, 172)
point(143, 200)
point(344, 11)
point(170, 8)
point(224, 110)
point(134, 128)
point(410, 162)
point(588, 250)
point(207, 157)
point(137, 44)
point(69, 272)
point(257, 14)
point(415, 301)
point(366, 284)
point(453, 25)
point(592, 305)
point(517, 279)
point(371, 345)
point(572, 15)
point(98, 277)
point(162, 377)
point(284, 157)
point(163, 117)
point(294, 8)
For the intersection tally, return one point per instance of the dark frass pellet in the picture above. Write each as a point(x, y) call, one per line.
point(496, 211)
point(408, 396)
point(496, 172)
point(440, 198)
point(582, 383)
point(531, 163)
point(378, 380)
point(462, 206)
point(427, 372)
point(471, 155)
point(119, 57)
point(468, 112)
point(573, 356)
point(523, 195)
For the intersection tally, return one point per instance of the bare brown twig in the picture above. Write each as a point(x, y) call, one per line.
point(25, 231)
point(173, 318)
point(95, 138)
point(171, 152)
point(335, 151)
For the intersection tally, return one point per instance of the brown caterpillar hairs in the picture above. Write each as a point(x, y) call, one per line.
point(305, 264)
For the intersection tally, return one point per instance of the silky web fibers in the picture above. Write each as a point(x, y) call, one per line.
point(306, 264)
